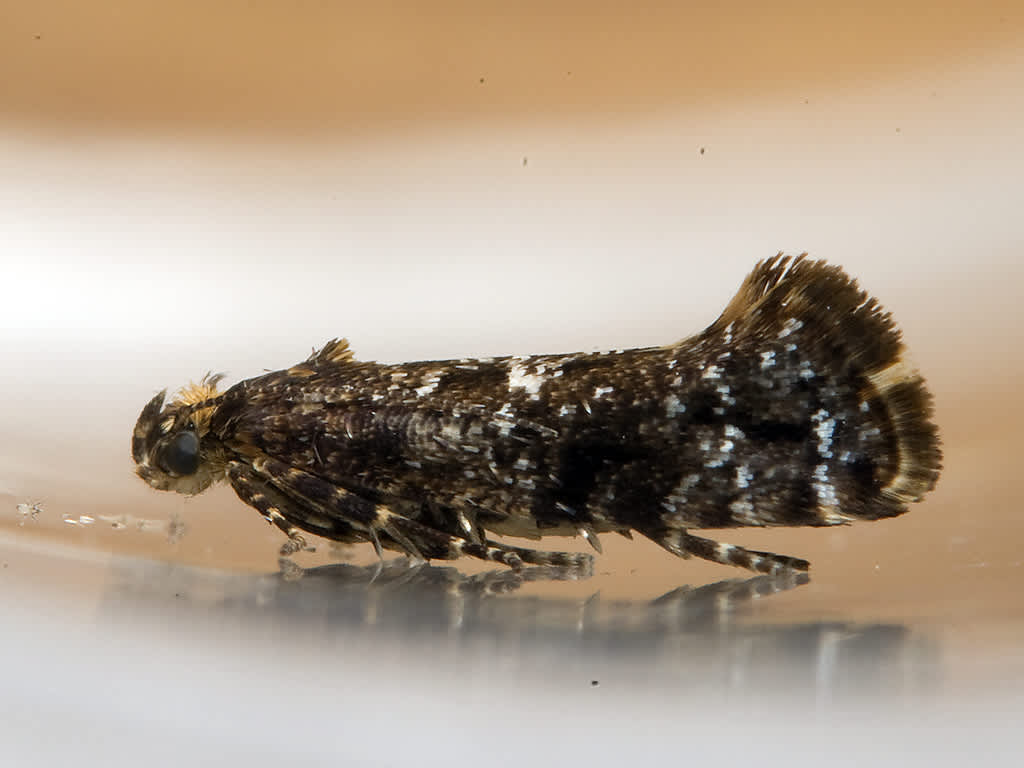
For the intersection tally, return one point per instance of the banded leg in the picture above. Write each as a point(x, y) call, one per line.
point(288, 514)
point(328, 503)
point(438, 545)
point(386, 527)
point(684, 544)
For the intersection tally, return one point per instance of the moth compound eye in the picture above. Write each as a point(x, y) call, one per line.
point(181, 455)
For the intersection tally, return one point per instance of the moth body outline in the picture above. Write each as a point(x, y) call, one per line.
point(795, 407)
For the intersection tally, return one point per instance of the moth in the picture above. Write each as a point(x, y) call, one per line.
point(796, 407)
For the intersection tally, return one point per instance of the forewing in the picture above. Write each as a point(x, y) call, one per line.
point(420, 431)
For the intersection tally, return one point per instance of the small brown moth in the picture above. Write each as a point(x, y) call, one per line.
point(795, 407)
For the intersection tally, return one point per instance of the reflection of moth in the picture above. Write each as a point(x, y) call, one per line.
point(795, 407)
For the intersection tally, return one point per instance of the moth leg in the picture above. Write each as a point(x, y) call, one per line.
point(397, 531)
point(463, 520)
point(286, 513)
point(322, 507)
point(684, 544)
point(438, 545)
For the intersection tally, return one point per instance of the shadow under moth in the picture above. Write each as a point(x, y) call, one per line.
point(795, 407)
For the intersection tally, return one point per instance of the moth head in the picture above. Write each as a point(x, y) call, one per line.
point(171, 444)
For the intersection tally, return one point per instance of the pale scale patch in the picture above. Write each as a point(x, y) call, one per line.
point(728, 334)
point(824, 428)
point(674, 407)
point(792, 325)
point(712, 372)
point(828, 501)
point(431, 381)
point(678, 495)
point(520, 377)
point(743, 511)
point(720, 459)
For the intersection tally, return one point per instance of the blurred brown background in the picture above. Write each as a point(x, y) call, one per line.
point(327, 70)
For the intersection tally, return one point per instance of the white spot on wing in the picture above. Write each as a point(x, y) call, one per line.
point(827, 498)
point(743, 512)
point(430, 384)
point(824, 429)
point(520, 377)
point(791, 326)
point(673, 407)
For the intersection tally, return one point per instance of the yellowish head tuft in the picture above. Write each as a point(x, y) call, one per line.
point(196, 393)
point(172, 445)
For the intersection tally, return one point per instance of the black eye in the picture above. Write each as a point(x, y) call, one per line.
point(181, 455)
